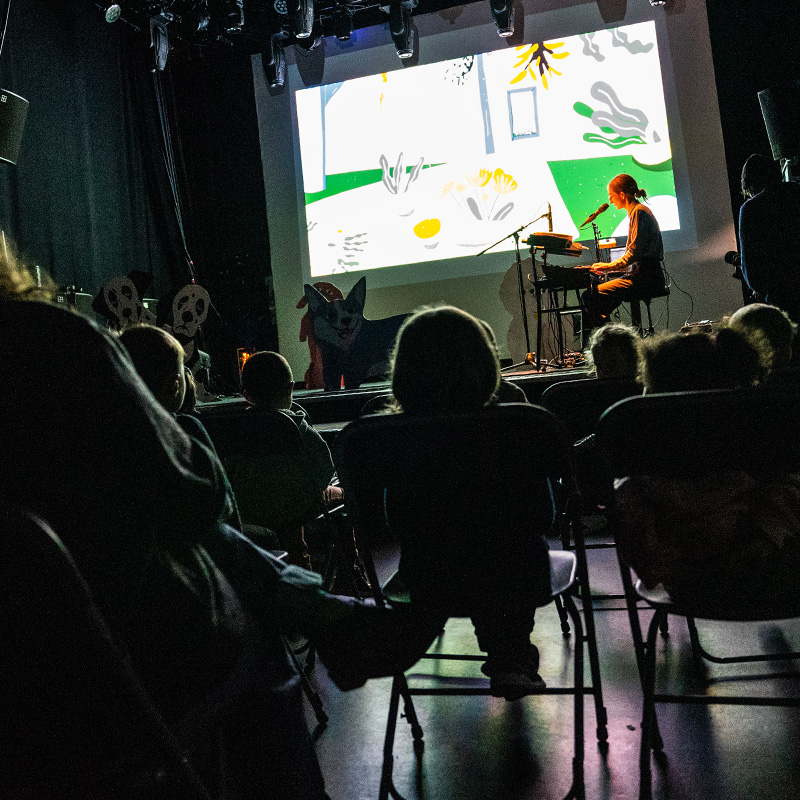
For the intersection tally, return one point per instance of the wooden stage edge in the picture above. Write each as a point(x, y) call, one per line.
point(331, 409)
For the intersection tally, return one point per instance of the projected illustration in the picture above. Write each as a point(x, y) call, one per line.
point(440, 161)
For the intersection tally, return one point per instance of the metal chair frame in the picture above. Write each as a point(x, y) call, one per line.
point(357, 462)
point(756, 430)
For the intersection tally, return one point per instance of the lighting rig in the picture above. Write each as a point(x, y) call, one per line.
point(269, 26)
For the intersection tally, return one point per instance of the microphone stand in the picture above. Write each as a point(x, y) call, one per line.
point(520, 285)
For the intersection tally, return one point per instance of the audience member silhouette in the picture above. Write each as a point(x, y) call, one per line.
point(305, 484)
point(769, 238)
point(199, 609)
point(687, 362)
point(772, 325)
point(715, 535)
point(613, 352)
point(158, 358)
point(432, 376)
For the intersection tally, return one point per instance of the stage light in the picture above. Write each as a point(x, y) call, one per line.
point(656, 3)
point(400, 27)
point(503, 13)
point(303, 19)
point(113, 13)
point(232, 12)
point(159, 43)
point(273, 60)
point(342, 23)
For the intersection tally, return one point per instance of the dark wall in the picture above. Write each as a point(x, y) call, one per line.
point(756, 44)
point(225, 208)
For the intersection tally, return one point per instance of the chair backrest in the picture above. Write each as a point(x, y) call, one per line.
point(710, 509)
point(76, 721)
point(579, 404)
point(695, 433)
point(376, 404)
point(268, 467)
point(469, 491)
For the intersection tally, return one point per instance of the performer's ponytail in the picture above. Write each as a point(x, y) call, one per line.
point(626, 184)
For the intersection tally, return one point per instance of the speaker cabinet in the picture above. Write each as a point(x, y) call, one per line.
point(13, 110)
point(780, 105)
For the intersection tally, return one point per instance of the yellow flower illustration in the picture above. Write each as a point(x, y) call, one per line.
point(479, 178)
point(503, 182)
point(460, 187)
point(447, 187)
point(536, 58)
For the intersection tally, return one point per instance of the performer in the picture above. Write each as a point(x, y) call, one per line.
point(638, 270)
point(769, 235)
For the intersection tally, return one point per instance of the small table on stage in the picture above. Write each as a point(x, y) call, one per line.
point(556, 280)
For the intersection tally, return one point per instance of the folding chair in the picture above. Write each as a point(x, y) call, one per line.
point(266, 462)
point(680, 437)
point(485, 479)
point(579, 404)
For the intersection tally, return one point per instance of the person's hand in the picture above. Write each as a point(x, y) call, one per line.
point(333, 495)
point(598, 268)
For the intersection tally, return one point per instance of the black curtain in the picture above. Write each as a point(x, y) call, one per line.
point(88, 198)
point(755, 46)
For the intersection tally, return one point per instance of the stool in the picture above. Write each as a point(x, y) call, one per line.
point(636, 311)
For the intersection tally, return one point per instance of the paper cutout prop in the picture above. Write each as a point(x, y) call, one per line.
point(352, 347)
point(119, 301)
point(189, 312)
point(313, 376)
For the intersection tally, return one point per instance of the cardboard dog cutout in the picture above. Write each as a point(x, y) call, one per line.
point(352, 347)
point(313, 376)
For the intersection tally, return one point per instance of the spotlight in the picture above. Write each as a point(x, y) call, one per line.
point(113, 13)
point(232, 12)
point(303, 19)
point(503, 13)
point(656, 3)
point(273, 60)
point(400, 27)
point(342, 22)
point(159, 42)
point(305, 46)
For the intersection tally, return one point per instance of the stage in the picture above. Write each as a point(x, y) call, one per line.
point(330, 411)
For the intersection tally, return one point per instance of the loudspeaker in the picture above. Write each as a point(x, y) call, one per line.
point(13, 110)
point(780, 106)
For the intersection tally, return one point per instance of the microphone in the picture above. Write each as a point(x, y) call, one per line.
point(550, 217)
point(591, 217)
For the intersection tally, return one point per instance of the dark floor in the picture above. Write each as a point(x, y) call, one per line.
point(482, 747)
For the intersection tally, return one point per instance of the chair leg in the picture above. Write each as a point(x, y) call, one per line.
point(633, 615)
point(639, 645)
point(315, 701)
point(650, 739)
point(562, 616)
point(399, 688)
point(387, 784)
point(578, 789)
point(601, 715)
point(636, 316)
point(650, 330)
point(411, 715)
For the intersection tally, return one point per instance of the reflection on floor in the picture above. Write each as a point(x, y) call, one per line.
point(481, 747)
